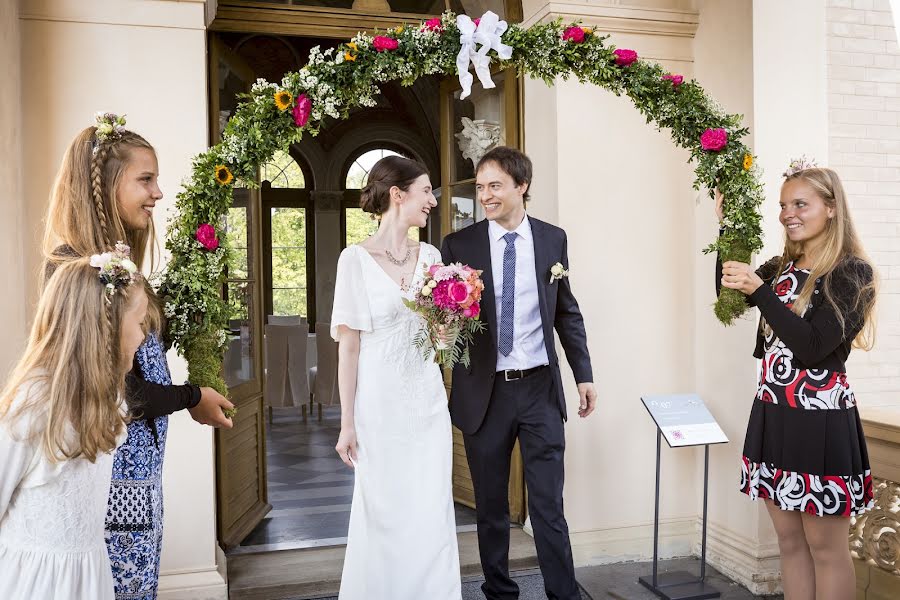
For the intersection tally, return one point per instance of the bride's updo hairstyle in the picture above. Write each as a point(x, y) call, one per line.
point(388, 172)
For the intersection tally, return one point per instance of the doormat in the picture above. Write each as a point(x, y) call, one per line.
point(531, 587)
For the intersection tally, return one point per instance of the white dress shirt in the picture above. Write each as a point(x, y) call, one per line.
point(528, 348)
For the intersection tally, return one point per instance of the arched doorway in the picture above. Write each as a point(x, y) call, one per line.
point(423, 121)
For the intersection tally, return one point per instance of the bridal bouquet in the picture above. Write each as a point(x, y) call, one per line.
point(449, 302)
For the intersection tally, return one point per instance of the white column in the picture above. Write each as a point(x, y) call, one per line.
point(12, 275)
point(622, 192)
point(147, 59)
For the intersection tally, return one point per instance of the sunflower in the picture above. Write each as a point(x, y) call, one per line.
point(351, 55)
point(223, 175)
point(283, 100)
point(748, 161)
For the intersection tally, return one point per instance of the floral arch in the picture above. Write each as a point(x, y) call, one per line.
point(273, 115)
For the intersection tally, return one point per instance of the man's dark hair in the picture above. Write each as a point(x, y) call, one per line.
point(512, 162)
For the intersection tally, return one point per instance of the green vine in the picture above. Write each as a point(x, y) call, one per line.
point(275, 115)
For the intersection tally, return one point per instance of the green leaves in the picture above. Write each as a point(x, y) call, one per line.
point(193, 281)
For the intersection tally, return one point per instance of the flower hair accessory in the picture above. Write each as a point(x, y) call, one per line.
point(117, 270)
point(800, 164)
point(109, 127)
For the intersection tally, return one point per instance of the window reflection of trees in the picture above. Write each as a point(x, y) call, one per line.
point(289, 234)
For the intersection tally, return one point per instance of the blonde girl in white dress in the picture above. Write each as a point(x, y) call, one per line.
point(60, 421)
point(395, 426)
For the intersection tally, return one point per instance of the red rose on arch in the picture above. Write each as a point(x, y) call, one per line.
point(206, 235)
point(382, 43)
point(433, 25)
point(625, 57)
point(573, 34)
point(714, 139)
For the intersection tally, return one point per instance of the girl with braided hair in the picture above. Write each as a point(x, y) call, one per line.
point(804, 452)
point(61, 419)
point(105, 191)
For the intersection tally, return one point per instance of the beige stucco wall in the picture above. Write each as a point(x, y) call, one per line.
point(864, 148)
point(623, 193)
point(636, 229)
point(12, 275)
point(147, 59)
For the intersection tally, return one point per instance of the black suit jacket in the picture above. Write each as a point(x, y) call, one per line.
point(472, 386)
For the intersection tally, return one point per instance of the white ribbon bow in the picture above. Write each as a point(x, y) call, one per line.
point(487, 33)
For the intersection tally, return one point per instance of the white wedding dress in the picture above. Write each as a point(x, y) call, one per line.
point(402, 539)
point(51, 519)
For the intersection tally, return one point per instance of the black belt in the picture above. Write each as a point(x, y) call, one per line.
point(513, 374)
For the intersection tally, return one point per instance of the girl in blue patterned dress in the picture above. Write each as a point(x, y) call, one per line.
point(805, 453)
point(105, 191)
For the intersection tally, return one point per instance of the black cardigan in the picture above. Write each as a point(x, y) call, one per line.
point(817, 339)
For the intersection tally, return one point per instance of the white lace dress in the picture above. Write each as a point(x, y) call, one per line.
point(51, 521)
point(402, 539)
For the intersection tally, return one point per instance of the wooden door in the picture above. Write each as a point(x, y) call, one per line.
point(494, 113)
point(241, 486)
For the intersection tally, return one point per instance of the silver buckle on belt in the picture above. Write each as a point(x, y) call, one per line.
point(508, 371)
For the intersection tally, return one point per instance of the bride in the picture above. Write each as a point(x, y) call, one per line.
point(395, 426)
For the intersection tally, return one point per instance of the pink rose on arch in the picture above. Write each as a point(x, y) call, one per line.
point(382, 43)
point(302, 110)
point(573, 34)
point(714, 139)
point(625, 57)
point(675, 79)
point(433, 25)
point(473, 311)
point(206, 235)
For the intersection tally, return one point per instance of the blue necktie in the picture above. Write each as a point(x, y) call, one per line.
point(508, 302)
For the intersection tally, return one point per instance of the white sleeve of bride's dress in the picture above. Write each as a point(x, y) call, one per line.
point(16, 454)
point(433, 256)
point(351, 304)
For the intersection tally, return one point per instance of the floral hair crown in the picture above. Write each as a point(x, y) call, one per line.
point(117, 270)
point(800, 164)
point(110, 126)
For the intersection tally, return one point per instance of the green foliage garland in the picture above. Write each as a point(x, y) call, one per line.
point(273, 116)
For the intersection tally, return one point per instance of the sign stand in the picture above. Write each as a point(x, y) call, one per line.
point(672, 415)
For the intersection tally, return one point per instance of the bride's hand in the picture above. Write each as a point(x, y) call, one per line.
point(346, 446)
point(720, 201)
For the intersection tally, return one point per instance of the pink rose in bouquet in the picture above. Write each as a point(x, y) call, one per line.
point(449, 302)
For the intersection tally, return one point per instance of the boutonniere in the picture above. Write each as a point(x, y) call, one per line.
point(557, 272)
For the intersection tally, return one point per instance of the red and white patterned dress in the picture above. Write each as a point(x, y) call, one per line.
point(805, 449)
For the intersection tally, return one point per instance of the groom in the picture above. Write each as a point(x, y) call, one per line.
point(512, 387)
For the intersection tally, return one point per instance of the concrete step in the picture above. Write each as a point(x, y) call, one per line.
point(316, 572)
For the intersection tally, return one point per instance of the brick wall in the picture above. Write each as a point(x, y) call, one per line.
point(864, 147)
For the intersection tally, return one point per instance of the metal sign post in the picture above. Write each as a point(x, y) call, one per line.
point(685, 421)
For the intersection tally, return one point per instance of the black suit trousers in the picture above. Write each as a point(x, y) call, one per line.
point(527, 410)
